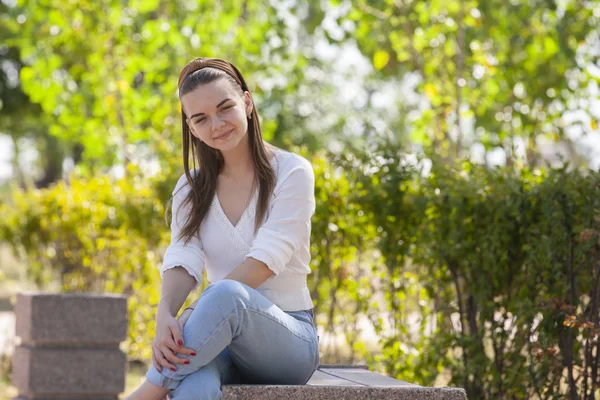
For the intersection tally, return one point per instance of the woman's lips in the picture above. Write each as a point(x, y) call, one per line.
point(224, 136)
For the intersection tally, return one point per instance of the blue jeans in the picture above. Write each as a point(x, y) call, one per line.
point(240, 337)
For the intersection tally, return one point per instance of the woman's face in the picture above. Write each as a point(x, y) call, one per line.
point(217, 114)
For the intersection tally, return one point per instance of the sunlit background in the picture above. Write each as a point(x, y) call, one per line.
point(455, 144)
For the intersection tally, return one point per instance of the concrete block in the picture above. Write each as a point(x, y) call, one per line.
point(69, 371)
point(77, 319)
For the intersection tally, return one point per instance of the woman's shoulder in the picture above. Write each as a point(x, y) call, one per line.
point(293, 170)
point(288, 161)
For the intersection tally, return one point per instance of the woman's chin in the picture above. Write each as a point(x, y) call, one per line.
point(230, 143)
point(224, 146)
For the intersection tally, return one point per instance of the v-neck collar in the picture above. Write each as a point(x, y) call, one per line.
point(244, 214)
point(248, 211)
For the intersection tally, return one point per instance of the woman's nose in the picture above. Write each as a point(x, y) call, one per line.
point(216, 123)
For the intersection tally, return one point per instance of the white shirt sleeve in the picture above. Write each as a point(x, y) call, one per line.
point(191, 255)
point(288, 223)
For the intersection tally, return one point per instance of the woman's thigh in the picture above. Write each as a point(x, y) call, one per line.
point(205, 383)
point(276, 347)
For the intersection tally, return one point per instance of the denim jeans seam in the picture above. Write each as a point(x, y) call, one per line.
point(318, 357)
point(259, 312)
point(168, 380)
point(216, 330)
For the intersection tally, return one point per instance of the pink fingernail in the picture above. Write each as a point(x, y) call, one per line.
point(180, 343)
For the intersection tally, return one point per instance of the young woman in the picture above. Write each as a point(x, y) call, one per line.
point(244, 215)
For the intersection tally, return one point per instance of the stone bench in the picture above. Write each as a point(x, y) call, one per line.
point(70, 350)
point(347, 382)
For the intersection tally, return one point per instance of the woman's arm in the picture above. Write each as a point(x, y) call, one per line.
point(251, 272)
point(177, 284)
point(183, 263)
point(168, 337)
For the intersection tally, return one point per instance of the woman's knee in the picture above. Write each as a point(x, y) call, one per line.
point(229, 288)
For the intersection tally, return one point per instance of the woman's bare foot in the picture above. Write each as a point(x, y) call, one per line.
point(148, 392)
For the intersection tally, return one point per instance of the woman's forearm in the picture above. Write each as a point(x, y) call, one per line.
point(177, 284)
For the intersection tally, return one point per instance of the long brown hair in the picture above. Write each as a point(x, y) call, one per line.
point(204, 183)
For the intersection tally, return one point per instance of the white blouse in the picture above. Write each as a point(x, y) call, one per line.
point(282, 242)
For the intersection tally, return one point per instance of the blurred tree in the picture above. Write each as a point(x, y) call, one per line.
point(106, 73)
point(494, 70)
point(19, 117)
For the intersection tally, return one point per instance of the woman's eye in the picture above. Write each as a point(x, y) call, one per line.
point(199, 121)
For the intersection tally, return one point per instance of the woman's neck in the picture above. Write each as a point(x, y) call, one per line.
point(239, 162)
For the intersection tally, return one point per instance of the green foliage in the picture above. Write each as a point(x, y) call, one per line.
point(499, 269)
point(107, 74)
point(510, 67)
point(500, 266)
point(341, 232)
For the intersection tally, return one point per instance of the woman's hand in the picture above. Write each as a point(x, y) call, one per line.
point(185, 315)
point(168, 340)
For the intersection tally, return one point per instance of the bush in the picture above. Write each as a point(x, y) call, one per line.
point(500, 266)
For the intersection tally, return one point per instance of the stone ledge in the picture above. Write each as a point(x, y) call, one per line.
point(281, 392)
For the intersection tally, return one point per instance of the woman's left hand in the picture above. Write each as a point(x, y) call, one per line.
point(185, 315)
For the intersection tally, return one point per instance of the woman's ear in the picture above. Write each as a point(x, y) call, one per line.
point(249, 104)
